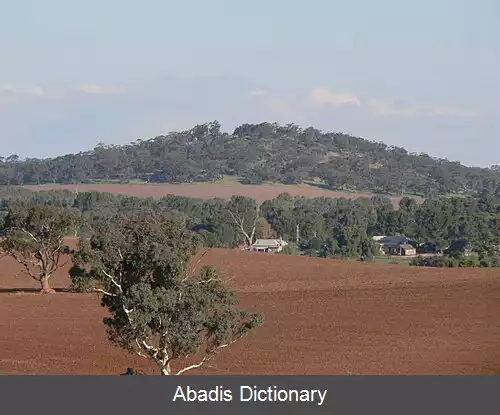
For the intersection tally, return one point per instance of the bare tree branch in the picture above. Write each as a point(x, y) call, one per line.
point(24, 231)
point(112, 279)
point(206, 358)
point(139, 350)
point(196, 366)
point(197, 263)
point(25, 263)
point(240, 222)
point(100, 290)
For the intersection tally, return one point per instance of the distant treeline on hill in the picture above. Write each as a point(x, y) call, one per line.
point(328, 227)
point(258, 153)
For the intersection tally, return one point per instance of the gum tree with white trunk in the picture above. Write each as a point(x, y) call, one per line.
point(34, 236)
point(244, 213)
point(159, 310)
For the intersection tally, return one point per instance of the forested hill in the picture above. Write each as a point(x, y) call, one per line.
point(259, 153)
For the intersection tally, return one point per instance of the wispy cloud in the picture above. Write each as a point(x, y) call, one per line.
point(36, 91)
point(291, 106)
point(95, 89)
point(55, 91)
point(325, 96)
point(384, 107)
point(13, 93)
point(387, 108)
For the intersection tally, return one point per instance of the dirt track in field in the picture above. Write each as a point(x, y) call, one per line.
point(207, 190)
point(321, 317)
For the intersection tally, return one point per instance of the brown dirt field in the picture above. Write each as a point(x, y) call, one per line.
point(207, 190)
point(321, 317)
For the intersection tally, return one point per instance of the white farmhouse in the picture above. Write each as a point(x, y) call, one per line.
point(268, 245)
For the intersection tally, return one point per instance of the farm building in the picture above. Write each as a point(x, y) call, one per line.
point(387, 244)
point(406, 249)
point(394, 245)
point(268, 245)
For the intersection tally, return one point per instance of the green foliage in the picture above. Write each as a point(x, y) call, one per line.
point(258, 153)
point(290, 249)
point(473, 260)
point(147, 239)
point(159, 310)
point(19, 195)
point(34, 237)
point(328, 227)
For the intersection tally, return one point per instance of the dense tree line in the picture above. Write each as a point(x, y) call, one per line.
point(344, 228)
point(455, 261)
point(327, 227)
point(258, 153)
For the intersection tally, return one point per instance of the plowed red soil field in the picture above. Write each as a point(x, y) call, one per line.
point(321, 317)
point(208, 190)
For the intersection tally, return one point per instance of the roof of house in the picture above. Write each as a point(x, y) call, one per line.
point(391, 240)
point(406, 246)
point(269, 243)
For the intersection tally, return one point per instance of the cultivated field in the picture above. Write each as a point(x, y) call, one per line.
point(321, 317)
point(209, 190)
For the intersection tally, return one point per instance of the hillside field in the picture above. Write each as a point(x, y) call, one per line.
point(210, 190)
point(321, 317)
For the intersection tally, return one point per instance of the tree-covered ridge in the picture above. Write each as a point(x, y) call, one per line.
point(258, 153)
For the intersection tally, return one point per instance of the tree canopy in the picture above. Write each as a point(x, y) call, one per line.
point(160, 310)
point(34, 237)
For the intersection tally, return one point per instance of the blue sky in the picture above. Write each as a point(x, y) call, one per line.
point(424, 75)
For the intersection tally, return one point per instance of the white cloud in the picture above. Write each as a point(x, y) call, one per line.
point(36, 91)
point(292, 107)
point(325, 96)
point(95, 89)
